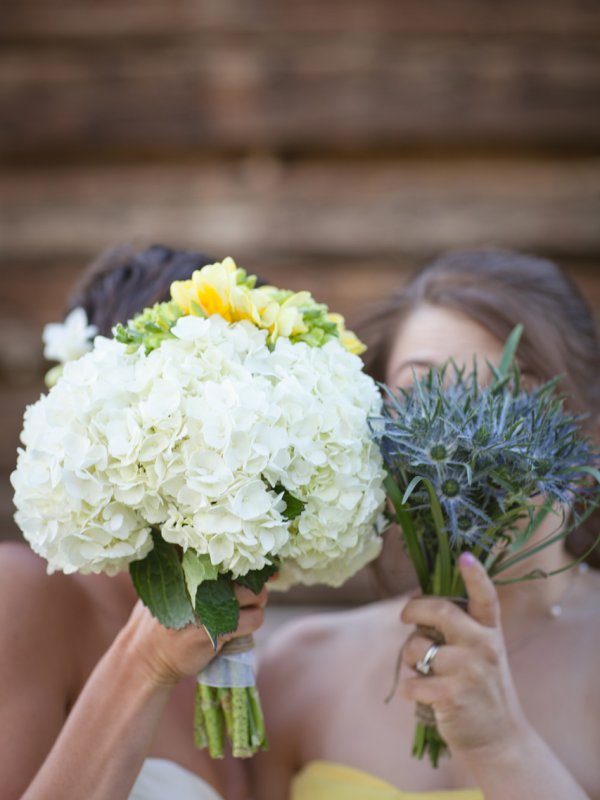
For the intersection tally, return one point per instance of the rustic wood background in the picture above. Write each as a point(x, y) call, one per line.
point(332, 146)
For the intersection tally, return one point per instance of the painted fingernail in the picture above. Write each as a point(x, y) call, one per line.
point(466, 559)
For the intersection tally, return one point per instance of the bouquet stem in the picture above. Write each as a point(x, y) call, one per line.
point(427, 738)
point(209, 709)
point(229, 712)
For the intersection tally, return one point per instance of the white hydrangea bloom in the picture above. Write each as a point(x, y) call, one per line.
point(199, 439)
point(68, 340)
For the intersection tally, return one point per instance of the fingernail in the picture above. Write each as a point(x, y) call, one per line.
point(466, 559)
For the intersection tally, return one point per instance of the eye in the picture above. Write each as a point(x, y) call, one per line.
point(407, 373)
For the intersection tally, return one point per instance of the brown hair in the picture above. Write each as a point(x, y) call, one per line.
point(499, 289)
point(124, 280)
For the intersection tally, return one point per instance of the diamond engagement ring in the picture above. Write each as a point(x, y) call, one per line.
point(424, 665)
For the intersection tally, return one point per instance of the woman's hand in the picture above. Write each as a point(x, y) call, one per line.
point(470, 686)
point(168, 655)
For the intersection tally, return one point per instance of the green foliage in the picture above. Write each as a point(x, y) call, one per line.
point(293, 506)
point(149, 328)
point(256, 578)
point(197, 569)
point(160, 584)
point(217, 607)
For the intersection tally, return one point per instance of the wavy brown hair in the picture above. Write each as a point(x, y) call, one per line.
point(499, 289)
point(125, 279)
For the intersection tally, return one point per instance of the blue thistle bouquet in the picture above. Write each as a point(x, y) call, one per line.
point(479, 468)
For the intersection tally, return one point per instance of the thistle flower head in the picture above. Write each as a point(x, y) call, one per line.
point(485, 450)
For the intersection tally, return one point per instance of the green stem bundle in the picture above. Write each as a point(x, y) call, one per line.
point(232, 714)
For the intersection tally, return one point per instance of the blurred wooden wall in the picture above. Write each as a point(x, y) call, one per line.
point(328, 145)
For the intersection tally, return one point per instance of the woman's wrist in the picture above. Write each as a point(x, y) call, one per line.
point(504, 752)
point(136, 661)
point(520, 757)
point(522, 765)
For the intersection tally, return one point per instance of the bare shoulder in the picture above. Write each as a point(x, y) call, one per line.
point(37, 610)
point(24, 582)
point(299, 681)
point(317, 642)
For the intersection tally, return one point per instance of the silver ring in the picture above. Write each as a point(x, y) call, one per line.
point(425, 664)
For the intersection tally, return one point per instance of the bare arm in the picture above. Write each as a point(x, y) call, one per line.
point(101, 748)
point(524, 767)
point(477, 709)
point(98, 751)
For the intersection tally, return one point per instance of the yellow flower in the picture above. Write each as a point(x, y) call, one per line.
point(224, 289)
point(348, 339)
point(214, 289)
point(281, 319)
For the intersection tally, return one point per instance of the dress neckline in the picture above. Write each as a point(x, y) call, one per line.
point(191, 779)
point(359, 776)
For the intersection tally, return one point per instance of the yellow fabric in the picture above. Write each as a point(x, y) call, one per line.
point(323, 780)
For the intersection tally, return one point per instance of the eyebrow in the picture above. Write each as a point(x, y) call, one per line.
point(416, 362)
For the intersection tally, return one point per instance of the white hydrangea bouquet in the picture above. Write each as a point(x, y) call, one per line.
point(219, 437)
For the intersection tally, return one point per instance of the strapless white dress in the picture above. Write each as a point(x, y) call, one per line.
point(160, 779)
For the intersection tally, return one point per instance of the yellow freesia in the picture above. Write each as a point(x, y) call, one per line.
point(348, 339)
point(215, 290)
point(223, 289)
point(281, 319)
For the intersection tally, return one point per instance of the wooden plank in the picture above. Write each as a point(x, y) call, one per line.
point(8, 529)
point(12, 407)
point(347, 287)
point(262, 211)
point(88, 18)
point(293, 95)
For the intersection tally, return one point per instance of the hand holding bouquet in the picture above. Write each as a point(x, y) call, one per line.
point(478, 469)
point(217, 439)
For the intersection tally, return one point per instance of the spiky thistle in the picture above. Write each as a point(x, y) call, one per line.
point(479, 468)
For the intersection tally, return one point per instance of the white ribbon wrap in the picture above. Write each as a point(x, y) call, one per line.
point(233, 668)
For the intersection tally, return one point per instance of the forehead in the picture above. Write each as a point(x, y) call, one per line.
point(429, 336)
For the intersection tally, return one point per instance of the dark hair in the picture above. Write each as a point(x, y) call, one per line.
point(124, 280)
point(499, 289)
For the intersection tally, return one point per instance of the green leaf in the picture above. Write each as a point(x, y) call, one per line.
point(563, 532)
point(256, 578)
point(293, 506)
point(217, 607)
point(510, 349)
point(595, 473)
point(411, 539)
point(410, 489)
point(159, 582)
point(197, 569)
point(443, 560)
